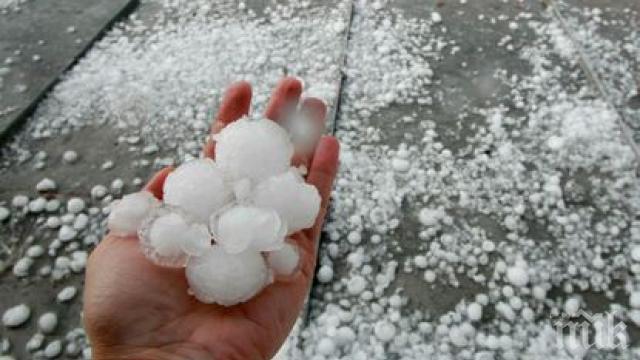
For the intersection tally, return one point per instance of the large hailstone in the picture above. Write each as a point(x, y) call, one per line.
point(238, 228)
point(227, 279)
point(127, 214)
point(284, 261)
point(253, 148)
point(197, 187)
point(168, 237)
point(297, 202)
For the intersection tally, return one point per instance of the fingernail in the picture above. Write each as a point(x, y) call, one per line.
point(299, 79)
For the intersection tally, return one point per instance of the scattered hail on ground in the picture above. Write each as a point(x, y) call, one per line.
point(469, 233)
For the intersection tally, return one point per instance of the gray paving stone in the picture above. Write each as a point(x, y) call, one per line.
point(41, 41)
point(459, 94)
point(453, 92)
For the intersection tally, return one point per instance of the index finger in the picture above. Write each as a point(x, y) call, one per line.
point(235, 104)
point(284, 99)
point(156, 183)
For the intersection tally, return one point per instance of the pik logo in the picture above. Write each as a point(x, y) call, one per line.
point(601, 331)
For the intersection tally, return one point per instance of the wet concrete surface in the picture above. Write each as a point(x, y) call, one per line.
point(95, 146)
point(618, 23)
point(477, 29)
point(40, 42)
point(452, 89)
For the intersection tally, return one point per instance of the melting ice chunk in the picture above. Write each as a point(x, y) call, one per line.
point(16, 315)
point(297, 202)
point(127, 215)
point(239, 228)
point(168, 237)
point(284, 261)
point(226, 279)
point(197, 187)
point(253, 148)
point(242, 189)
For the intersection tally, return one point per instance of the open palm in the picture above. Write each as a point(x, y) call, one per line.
point(134, 309)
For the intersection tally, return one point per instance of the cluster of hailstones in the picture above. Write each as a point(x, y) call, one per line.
point(226, 220)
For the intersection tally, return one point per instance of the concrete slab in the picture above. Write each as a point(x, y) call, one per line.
point(611, 58)
point(457, 90)
point(468, 84)
point(460, 93)
point(40, 42)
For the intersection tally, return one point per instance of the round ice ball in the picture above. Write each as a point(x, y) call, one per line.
point(238, 228)
point(168, 237)
point(127, 214)
point(297, 202)
point(284, 261)
point(197, 187)
point(253, 148)
point(226, 279)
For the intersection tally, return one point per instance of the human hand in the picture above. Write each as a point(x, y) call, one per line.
point(134, 309)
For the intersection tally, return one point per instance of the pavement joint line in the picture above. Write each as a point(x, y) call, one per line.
point(13, 127)
point(583, 59)
point(343, 64)
point(306, 314)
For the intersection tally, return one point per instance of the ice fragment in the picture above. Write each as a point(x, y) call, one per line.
point(238, 228)
point(127, 215)
point(198, 188)
point(285, 260)
point(253, 148)
point(168, 237)
point(16, 316)
point(226, 279)
point(297, 202)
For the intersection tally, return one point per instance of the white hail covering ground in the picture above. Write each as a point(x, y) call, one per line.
point(7, 6)
point(220, 237)
point(542, 165)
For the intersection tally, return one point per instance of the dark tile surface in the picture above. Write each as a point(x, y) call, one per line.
point(452, 88)
point(42, 40)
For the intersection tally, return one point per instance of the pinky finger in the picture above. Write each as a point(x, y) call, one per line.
point(324, 167)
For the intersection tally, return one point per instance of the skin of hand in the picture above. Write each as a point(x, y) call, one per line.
point(134, 309)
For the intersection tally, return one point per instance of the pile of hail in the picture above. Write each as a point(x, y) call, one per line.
point(226, 221)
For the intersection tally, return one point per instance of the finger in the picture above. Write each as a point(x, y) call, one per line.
point(315, 110)
point(284, 98)
point(209, 150)
point(324, 167)
point(156, 183)
point(235, 104)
